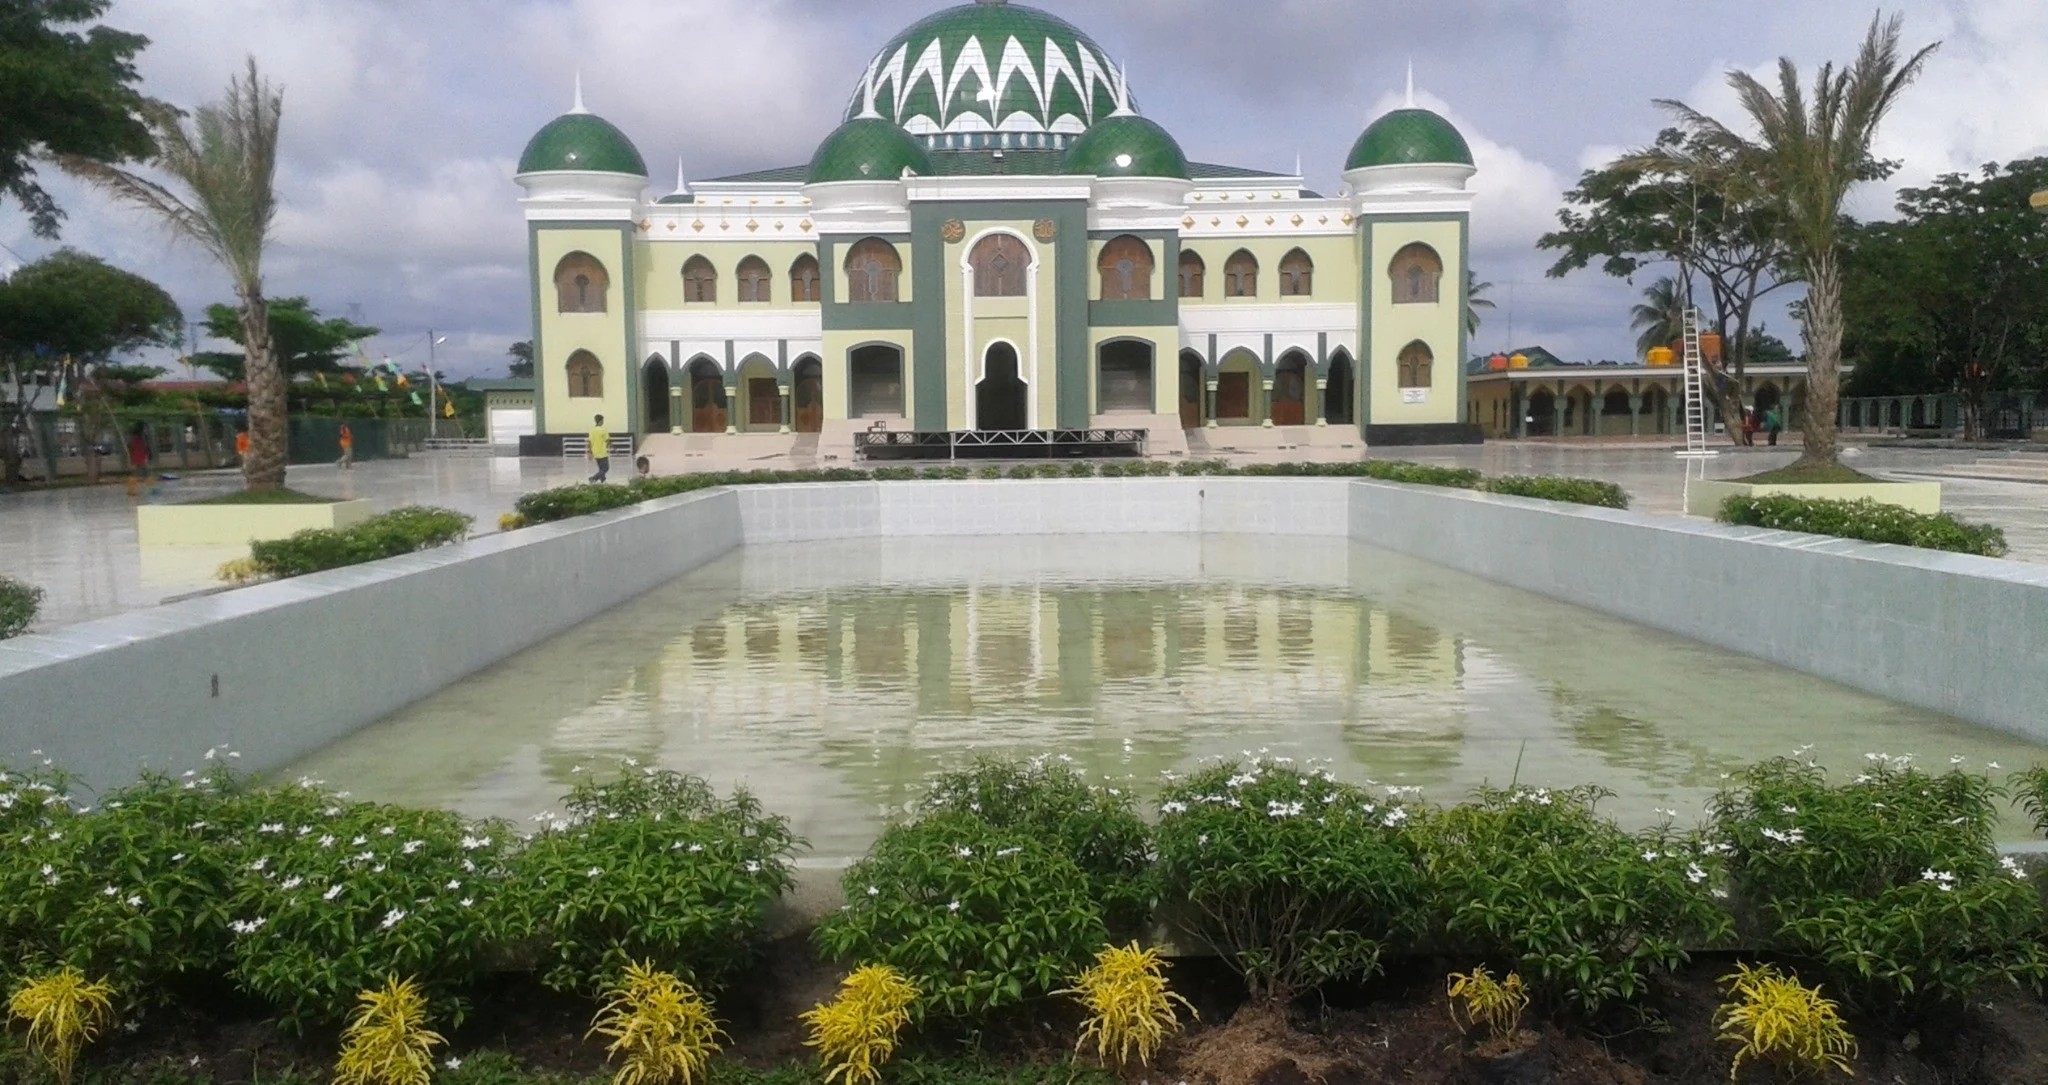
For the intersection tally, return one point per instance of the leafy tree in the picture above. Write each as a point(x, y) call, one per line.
point(1953, 296)
point(63, 320)
point(1475, 300)
point(522, 358)
point(1659, 317)
point(226, 165)
point(1811, 148)
point(303, 342)
point(63, 92)
point(1644, 210)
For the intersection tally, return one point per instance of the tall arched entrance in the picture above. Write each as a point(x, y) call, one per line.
point(1340, 390)
point(654, 396)
point(807, 395)
point(1192, 412)
point(1290, 389)
point(875, 382)
point(707, 397)
point(1124, 377)
point(1000, 399)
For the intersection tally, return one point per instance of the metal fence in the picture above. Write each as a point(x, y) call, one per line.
point(2007, 415)
point(999, 444)
point(60, 445)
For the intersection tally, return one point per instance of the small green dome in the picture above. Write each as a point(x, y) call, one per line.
point(867, 149)
point(1408, 137)
point(581, 141)
point(1127, 146)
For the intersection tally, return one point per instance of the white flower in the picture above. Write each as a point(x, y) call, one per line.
point(1649, 857)
point(966, 853)
point(178, 858)
point(1788, 809)
point(270, 827)
point(467, 901)
point(594, 872)
point(293, 882)
point(753, 867)
point(2012, 866)
point(411, 846)
point(110, 891)
point(392, 918)
point(136, 902)
point(1394, 817)
point(359, 841)
point(1955, 759)
point(246, 926)
point(1173, 807)
point(1694, 874)
point(1991, 765)
point(953, 907)
point(387, 831)
point(1203, 840)
point(1007, 852)
point(452, 1063)
point(379, 869)
point(874, 891)
point(326, 841)
point(333, 891)
point(260, 863)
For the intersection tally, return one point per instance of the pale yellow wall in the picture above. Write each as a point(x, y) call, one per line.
point(603, 334)
point(1165, 280)
point(1336, 260)
point(1395, 326)
point(659, 271)
point(833, 256)
point(1002, 318)
point(1165, 365)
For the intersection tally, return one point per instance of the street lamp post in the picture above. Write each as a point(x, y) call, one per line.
point(433, 386)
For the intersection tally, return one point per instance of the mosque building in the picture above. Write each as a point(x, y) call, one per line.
point(996, 240)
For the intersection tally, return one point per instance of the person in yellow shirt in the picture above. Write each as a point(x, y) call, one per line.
point(601, 449)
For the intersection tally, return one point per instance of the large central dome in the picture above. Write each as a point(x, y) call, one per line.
point(992, 67)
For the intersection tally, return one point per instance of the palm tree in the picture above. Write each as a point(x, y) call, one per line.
point(1808, 152)
point(223, 168)
point(1659, 317)
point(1475, 301)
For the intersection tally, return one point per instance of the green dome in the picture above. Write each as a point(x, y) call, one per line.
point(1407, 137)
point(581, 141)
point(867, 149)
point(991, 66)
point(1127, 146)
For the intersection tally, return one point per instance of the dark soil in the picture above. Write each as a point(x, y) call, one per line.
point(1803, 474)
point(1394, 1031)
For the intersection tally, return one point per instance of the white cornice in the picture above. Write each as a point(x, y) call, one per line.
point(731, 322)
point(1235, 318)
point(998, 187)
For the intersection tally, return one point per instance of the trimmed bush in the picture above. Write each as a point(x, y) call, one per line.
point(1572, 491)
point(19, 604)
point(400, 531)
point(1868, 520)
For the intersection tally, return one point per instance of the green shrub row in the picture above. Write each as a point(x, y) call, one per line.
point(19, 604)
point(582, 499)
point(400, 531)
point(1013, 874)
point(1868, 520)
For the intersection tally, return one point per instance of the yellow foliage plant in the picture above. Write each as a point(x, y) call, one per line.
point(661, 1029)
point(64, 1012)
point(1130, 1009)
point(239, 571)
point(511, 521)
point(387, 1042)
point(856, 1032)
point(1781, 1021)
point(1480, 1001)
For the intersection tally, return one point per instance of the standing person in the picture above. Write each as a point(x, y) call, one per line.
point(242, 444)
point(347, 462)
point(601, 449)
point(1774, 423)
point(138, 457)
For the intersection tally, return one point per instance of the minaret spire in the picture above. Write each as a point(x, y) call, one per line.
point(682, 186)
point(1411, 83)
point(578, 106)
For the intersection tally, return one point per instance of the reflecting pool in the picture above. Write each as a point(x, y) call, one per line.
point(832, 678)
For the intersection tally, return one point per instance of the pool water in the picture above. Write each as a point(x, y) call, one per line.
point(833, 678)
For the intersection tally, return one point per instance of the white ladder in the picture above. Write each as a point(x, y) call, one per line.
point(1695, 391)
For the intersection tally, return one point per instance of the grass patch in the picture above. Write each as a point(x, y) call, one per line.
point(1808, 474)
point(265, 497)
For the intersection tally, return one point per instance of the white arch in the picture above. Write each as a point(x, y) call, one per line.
point(1027, 355)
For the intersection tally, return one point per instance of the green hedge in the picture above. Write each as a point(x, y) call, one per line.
point(400, 531)
point(1868, 520)
point(19, 604)
point(582, 499)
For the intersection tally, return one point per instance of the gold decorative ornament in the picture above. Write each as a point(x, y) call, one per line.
point(1269, 220)
point(1045, 230)
point(1188, 223)
point(953, 231)
point(1215, 222)
point(1243, 222)
point(698, 226)
point(645, 225)
point(671, 226)
point(1347, 220)
point(805, 225)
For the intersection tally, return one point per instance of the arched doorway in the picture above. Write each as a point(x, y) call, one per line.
point(1124, 377)
point(707, 397)
point(760, 396)
point(1615, 419)
point(1238, 402)
point(875, 381)
point(807, 394)
point(999, 400)
point(1191, 389)
point(1340, 390)
point(1290, 389)
point(654, 395)
point(1656, 412)
point(1542, 421)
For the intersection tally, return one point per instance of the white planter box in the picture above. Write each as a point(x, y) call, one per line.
point(236, 525)
point(1705, 498)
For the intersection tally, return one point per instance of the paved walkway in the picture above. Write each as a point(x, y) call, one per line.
point(79, 545)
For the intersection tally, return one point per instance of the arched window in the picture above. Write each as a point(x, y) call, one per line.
point(1297, 275)
point(755, 279)
point(1241, 276)
point(1416, 365)
point(803, 278)
point(1192, 271)
point(1126, 267)
point(1417, 272)
point(700, 282)
point(580, 284)
point(871, 270)
point(999, 262)
point(586, 376)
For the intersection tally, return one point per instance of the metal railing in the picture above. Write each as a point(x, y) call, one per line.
point(1000, 444)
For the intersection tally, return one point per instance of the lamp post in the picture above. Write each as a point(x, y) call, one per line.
point(433, 386)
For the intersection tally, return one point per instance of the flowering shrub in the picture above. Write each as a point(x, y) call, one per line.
point(1868, 520)
point(1891, 881)
point(400, 531)
point(650, 866)
point(1292, 878)
point(976, 916)
point(1097, 827)
point(1586, 911)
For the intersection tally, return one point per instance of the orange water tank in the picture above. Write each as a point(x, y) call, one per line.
point(1661, 356)
point(1710, 347)
point(1519, 361)
point(1497, 363)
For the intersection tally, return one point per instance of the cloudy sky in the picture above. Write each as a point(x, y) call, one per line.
point(404, 119)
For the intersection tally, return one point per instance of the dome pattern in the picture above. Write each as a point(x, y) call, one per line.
point(1408, 137)
point(581, 142)
point(991, 67)
point(1127, 146)
point(867, 149)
